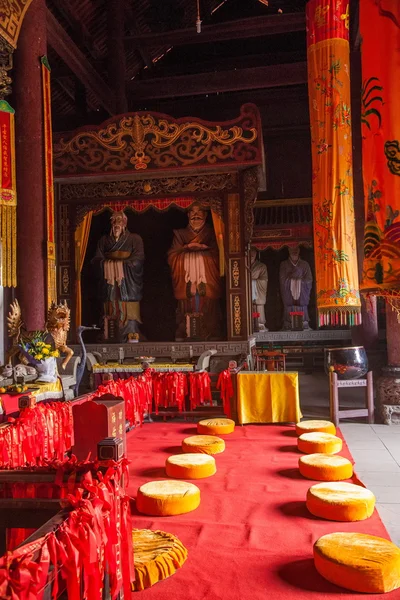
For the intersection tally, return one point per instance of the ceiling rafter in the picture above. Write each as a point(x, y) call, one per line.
point(219, 81)
point(83, 37)
point(240, 29)
point(133, 25)
point(74, 58)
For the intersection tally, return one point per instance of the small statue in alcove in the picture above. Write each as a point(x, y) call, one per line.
point(295, 280)
point(259, 286)
point(121, 257)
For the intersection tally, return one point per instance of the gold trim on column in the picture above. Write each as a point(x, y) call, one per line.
point(234, 223)
point(236, 316)
point(235, 272)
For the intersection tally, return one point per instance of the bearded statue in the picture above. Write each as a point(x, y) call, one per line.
point(121, 257)
point(194, 262)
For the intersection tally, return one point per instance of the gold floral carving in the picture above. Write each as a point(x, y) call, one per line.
point(12, 14)
point(234, 223)
point(6, 64)
point(150, 141)
point(235, 273)
point(251, 184)
point(148, 187)
point(237, 316)
point(64, 281)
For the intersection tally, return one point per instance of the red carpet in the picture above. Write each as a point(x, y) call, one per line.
point(251, 538)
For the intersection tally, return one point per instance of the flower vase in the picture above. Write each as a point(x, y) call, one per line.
point(47, 370)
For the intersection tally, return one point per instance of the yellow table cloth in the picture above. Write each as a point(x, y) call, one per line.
point(268, 397)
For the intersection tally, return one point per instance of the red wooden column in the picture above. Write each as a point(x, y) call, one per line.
point(31, 210)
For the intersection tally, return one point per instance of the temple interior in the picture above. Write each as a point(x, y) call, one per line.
point(199, 298)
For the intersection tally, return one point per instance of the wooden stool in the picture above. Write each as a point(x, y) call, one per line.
point(335, 384)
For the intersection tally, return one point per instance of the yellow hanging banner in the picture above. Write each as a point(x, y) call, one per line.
point(338, 297)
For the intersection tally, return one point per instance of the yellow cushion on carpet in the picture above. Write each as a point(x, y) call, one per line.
point(203, 444)
point(216, 426)
point(325, 467)
point(164, 498)
point(358, 562)
point(190, 466)
point(340, 501)
point(157, 555)
point(323, 443)
point(313, 426)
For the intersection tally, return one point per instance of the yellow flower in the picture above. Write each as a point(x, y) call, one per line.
point(56, 353)
point(40, 344)
point(39, 356)
point(45, 350)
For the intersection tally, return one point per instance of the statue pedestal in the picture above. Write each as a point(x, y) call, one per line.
point(388, 395)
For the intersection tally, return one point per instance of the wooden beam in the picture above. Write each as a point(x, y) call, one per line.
point(116, 53)
point(80, 31)
point(67, 50)
point(240, 29)
point(133, 25)
point(222, 81)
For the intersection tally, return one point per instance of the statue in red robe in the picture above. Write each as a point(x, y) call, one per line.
point(194, 262)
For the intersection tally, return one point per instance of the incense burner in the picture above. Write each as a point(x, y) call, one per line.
point(347, 363)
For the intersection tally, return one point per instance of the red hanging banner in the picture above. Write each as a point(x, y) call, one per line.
point(8, 197)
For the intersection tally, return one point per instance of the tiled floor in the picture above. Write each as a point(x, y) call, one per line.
point(376, 452)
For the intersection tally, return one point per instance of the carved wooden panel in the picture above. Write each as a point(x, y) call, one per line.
point(64, 233)
point(137, 142)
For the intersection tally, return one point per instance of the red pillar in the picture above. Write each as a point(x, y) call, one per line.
point(393, 336)
point(31, 212)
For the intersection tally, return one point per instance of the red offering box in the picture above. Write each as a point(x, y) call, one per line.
point(96, 420)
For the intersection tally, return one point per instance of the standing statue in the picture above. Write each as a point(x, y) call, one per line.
point(259, 285)
point(194, 262)
point(121, 257)
point(295, 280)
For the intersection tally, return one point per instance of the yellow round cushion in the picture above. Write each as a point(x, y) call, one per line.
point(340, 501)
point(157, 555)
point(358, 562)
point(319, 443)
point(313, 426)
point(216, 426)
point(164, 498)
point(325, 467)
point(203, 444)
point(190, 466)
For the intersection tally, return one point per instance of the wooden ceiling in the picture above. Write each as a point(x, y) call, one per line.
point(109, 56)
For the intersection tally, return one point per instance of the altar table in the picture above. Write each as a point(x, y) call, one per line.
point(46, 391)
point(268, 397)
point(126, 370)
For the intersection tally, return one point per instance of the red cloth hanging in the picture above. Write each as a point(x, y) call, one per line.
point(200, 389)
point(225, 385)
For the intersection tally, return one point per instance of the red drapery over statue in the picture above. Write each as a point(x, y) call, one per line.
point(338, 298)
point(380, 31)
